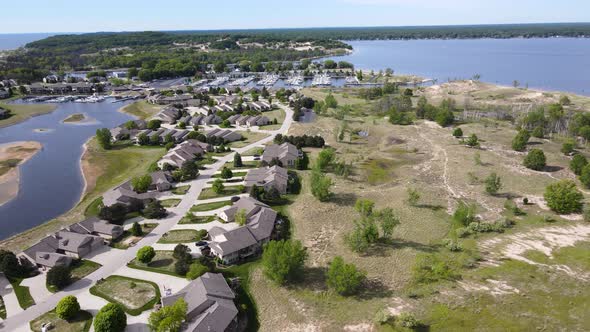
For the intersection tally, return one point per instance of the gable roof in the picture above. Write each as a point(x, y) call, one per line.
point(285, 150)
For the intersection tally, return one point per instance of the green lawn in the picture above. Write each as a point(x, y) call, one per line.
point(254, 151)
point(235, 174)
point(141, 109)
point(250, 137)
point(168, 203)
point(22, 112)
point(122, 241)
point(79, 270)
point(245, 164)
point(209, 193)
point(243, 295)
point(163, 262)
point(22, 293)
point(80, 323)
point(180, 236)
point(181, 190)
point(210, 206)
point(2, 308)
point(134, 295)
point(93, 208)
point(196, 220)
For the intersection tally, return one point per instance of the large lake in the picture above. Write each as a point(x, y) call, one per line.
point(51, 182)
point(561, 64)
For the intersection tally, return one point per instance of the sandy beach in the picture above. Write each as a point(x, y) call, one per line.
point(12, 155)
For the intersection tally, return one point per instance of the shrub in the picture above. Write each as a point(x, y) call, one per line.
point(512, 207)
point(382, 316)
point(283, 260)
point(585, 176)
point(364, 206)
point(180, 250)
point(431, 268)
point(568, 147)
point(413, 196)
point(154, 210)
point(462, 232)
point(408, 320)
point(472, 141)
point(110, 318)
point(136, 229)
point(464, 214)
point(577, 164)
point(67, 308)
point(535, 160)
point(141, 184)
point(226, 173)
point(453, 245)
point(146, 254)
point(563, 197)
point(218, 186)
point(458, 132)
point(196, 270)
point(493, 184)
point(325, 158)
point(520, 140)
point(59, 276)
point(238, 160)
point(320, 185)
point(344, 278)
point(538, 132)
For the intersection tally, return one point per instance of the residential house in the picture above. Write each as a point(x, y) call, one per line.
point(161, 181)
point(245, 241)
point(124, 194)
point(210, 304)
point(268, 177)
point(212, 119)
point(168, 115)
point(257, 121)
point(227, 135)
point(287, 153)
point(183, 152)
point(102, 228)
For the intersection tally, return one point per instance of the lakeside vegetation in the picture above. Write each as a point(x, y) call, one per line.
point(22, 112)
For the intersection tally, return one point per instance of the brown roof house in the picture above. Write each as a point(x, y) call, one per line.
point(287, 153)
point(210, 303)
point(268, 177)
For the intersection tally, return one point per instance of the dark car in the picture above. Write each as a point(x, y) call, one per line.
point(201, 244)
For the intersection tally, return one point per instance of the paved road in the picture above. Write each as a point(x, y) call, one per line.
point(20, 320)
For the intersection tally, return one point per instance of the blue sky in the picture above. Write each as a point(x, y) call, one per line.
point(134, 15)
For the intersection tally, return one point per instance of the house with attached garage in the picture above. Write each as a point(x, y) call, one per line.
point(286, 153)
point(268, 177)
point(232, 246)
point(183, 152)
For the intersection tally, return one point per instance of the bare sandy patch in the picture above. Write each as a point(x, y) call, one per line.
point(493, 287)
point(15, 151)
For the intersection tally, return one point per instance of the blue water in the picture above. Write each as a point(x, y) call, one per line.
point(560, 64)
point(10, 41)
point(51, 182)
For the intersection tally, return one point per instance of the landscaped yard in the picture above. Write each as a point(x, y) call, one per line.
point(209, 193)
point(180, 236)
point(181, 190)
point(254, 151)
point(163, 262)
point(196, 220)
point(80, 323)
point(168, 203)
point(134, 295)
point(250, 137)
point(235, 174)
point(141, 109)
point(125, 240)
point(93, 208)
point(245, 164)
point(210, 206)
point(23, 295)
point(79, 270)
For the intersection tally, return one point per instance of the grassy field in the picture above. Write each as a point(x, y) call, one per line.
point(163, 262)
point(426, 158)
point(250, 137)
point(180, 236)
point(23, 295)
point(104, 169)
point(181, 190)
point(196, 220)
point(168, 203)
point(74, 118)
point(80, 323)
point(22, 112)
point(278, 114)
point(134, 295)
point(124, 240)
point(210, 206)
point(209, 193)
point(141, 109)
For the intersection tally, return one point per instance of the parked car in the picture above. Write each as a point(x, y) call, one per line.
point(201, 244)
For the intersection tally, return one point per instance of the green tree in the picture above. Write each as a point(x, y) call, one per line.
point(136, 229)
point(331, 101)
point(398, 117)
point(413, 196)
point(320, 185)
point(344, 278)
point(538, 132)
point(146, 254)
point(535, 160)
point(59, 276)
point(226, 173)
point(196, 270)
point(283, 261)
point(303, 162)
point(457, 132)
point(364, 206)
point(325, 158)
point(169, 318)
point(563, 197)
point(141, 184)
point(577, 164)
point(238, 160)
point(464, 214)
point(356, 240)
point(218, 186)
point(103, 136)
point(388, 221)
point(67, 308)
point(189, 170)
point(444, 117)
point(241, 217)
point(493, 184)
point(520, 140)
point(110, 318)
point(154, 210)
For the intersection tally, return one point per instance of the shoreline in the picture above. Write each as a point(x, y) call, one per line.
point(15, 113)
point(10, 181)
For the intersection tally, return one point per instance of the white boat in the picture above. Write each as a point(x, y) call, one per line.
point(321, 80)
